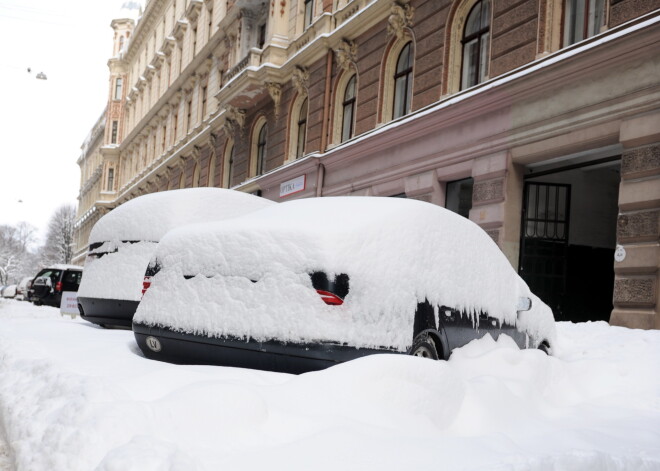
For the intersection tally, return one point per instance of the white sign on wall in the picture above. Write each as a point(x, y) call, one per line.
point(292, 186)
point(69, 304)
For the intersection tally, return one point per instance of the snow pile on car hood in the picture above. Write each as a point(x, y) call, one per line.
point(251, 276)
point(118, 274)
point(151, 216)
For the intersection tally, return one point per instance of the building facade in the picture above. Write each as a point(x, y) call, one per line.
point(537, 119)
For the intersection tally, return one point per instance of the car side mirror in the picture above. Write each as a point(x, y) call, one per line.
point(524, 304)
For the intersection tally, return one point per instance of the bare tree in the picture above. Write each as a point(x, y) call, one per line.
point(16, 258)
point(59, 239)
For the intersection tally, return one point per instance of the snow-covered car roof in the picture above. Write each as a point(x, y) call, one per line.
point(62, 266)
point(149, 217)
point(397, 253)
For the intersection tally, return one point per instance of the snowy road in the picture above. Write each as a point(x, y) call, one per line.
point(77, 397)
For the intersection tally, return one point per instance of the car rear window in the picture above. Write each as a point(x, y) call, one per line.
point(72, 277)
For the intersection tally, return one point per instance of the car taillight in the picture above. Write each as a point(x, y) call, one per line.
point(330, 298)
point(146, 283)
point(58, 286)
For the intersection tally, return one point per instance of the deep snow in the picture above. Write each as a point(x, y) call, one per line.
point(76, 397)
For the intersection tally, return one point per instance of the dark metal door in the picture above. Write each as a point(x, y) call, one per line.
point(544, 242)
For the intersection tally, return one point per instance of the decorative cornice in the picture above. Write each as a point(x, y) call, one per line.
point(192, 12)
point(400, 20)
point(179, 29)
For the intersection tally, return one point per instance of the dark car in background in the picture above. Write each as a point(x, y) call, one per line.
point(307, 284)
point(49, 284)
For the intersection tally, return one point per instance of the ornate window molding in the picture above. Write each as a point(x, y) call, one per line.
point(339, 119)
point(388, 72)
point(297, 119)
point(259, 147)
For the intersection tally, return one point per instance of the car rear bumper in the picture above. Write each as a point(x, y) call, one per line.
point(183, 348)
point(114, 312)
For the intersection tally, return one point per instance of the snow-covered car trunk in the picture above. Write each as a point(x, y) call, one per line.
point(123, 241)
point(252, 279)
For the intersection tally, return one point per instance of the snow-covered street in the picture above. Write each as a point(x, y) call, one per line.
point(76, 397)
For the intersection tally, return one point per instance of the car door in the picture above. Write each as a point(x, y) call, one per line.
point(71, 280)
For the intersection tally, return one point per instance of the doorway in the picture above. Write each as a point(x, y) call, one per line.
point(568, 238)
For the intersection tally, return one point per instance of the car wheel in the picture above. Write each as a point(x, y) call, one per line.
point(424, 347)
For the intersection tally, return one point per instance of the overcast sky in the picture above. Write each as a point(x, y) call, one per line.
point(43, 123)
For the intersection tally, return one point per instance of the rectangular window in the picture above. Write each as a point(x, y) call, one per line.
point(458, 196)
point(164, 142)
point(194, 42)
point(113, 137)
point(210, 25)
point(204, 94)
point(582, 19)
point(189, 116)
point(118, 85)
point(261, 38)
point(309, 12)
point(111, 179)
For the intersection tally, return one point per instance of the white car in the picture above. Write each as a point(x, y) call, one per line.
point(123, 241)
point(22, 288)
point(306, 284)
point(9, 291)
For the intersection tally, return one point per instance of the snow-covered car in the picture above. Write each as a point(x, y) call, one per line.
point(9, 291)
point(123, 241)
point(22, 288)
point(49, 284)
point(306, 284)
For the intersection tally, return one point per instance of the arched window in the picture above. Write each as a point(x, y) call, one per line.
point(195, 182)
point(475, 43)
point(211, 172)
point(257, 156)
point(302, 130)
point(229, 165)
point(261, 151)
point(403, 82)
point(348, 110)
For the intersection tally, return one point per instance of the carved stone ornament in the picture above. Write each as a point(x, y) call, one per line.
point(182, 163)
point(400, 18)
point(346, 53)
point(196, 153)
point(213, 142)
point(168, 172)
point(275, 92)
point(236, 115)
point(300, 80)
point(228, 128)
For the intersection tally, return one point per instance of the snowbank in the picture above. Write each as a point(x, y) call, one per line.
point(75, 397)
point(253, 273)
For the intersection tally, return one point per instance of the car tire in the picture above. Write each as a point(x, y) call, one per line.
point(545, 348)
point(424, 347)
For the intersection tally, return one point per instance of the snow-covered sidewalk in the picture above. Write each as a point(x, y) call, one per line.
point(77, 397)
